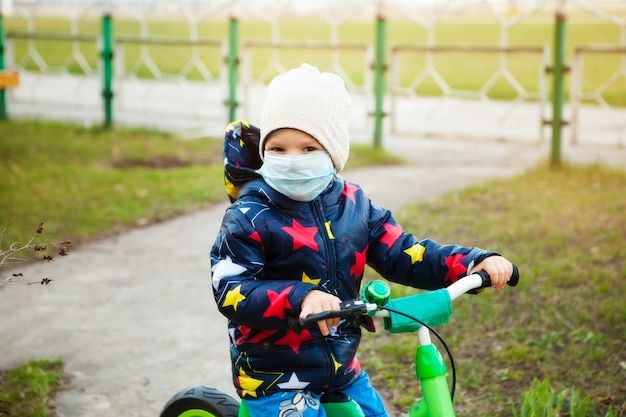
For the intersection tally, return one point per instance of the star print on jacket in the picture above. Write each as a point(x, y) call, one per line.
point(416, 252)
point(349, 190)
point(456, 269)
point(359, 264)
point(225, 268)
point(270, 252)
point(233, 297)
point(294, 340)
point(306, 278)
point(302, 236)
point(393, 232)
point(248, 384)
point(278, 303)
point(293, 383)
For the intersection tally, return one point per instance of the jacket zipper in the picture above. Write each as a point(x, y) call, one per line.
point(329, 245)
point(329, 253)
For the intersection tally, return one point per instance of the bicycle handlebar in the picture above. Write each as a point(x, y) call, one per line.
point(348, 309)
point(512, 282)
point(354, 308)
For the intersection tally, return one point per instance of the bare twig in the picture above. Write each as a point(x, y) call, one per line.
point(9, 256)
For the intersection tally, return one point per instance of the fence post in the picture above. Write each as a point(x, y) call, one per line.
point(233, 68)
point(380, 69)
point(3, 104)
point(558, 68)
point(107, 66)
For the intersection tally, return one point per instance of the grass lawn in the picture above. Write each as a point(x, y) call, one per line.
point(27, 389)
point(566, 321)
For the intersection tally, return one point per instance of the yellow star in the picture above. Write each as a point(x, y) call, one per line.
point(416, 252)
point(328, 231)
point(234, 297)
point(337, 364)
point(248, 384)
point(306, 278)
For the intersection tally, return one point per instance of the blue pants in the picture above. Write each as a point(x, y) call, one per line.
point(307, 404)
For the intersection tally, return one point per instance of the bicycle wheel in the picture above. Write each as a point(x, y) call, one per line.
point(201, 401)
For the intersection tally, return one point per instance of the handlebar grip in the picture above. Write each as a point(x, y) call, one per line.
point(512, 282)
point(311, 320)
point(514, 277)
point(348, 309)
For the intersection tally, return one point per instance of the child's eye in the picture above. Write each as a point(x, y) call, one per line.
point(274, 149)
point(310, 149)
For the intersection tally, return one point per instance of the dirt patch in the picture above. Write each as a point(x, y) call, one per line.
point(155, 162)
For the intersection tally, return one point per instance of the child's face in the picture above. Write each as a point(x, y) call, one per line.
point(291, 142)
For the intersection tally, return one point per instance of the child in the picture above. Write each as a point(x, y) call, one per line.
point(296, 241)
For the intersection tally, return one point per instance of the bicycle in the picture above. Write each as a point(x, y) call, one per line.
point(419, 312)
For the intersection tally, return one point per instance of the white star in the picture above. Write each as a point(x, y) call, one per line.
point(293, 383)
point(225, 268)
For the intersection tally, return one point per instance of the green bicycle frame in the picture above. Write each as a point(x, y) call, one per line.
point(431, 371)
point(433, 308)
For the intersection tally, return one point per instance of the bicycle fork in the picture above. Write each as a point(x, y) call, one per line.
point(431, 371)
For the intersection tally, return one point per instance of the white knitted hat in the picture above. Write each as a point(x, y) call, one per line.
point(313, 102)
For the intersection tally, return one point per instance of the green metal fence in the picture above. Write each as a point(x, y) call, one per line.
point(381, 18)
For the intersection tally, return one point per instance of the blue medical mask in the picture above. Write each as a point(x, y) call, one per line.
point(299, 177)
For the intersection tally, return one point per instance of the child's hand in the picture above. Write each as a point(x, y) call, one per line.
point(317, 301)
point(498, 268)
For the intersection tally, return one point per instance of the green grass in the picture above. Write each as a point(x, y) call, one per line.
point(88, 183)
point(83, 183)
point(566, 321)
point(461, 70)
point(542, 400)
point(27, 389)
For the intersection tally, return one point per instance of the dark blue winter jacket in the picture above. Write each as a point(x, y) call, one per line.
point(271, 251)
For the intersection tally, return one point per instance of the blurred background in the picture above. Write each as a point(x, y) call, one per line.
point(463, 68)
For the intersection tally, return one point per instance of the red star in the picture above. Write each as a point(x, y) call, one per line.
point(349, 190)
point(355, 365)
point(455, 267)
point(302, 236)
point(278, 303)
point(359, 264)
point(258, 337)
point(391, 235)
point(257, 237)
point(294, 340)
point(245, 331)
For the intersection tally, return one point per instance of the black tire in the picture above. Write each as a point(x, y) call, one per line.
point(201, 401)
